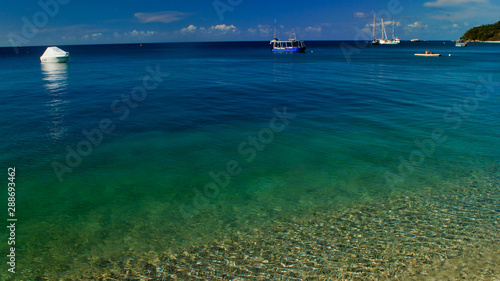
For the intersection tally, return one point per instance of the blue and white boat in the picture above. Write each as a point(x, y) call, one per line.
point(291, 45)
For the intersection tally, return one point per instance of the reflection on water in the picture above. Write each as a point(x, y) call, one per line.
point(55, 78)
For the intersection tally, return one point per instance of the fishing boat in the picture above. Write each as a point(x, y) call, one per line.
point(415, 40)
point(386, 41)
point(54, 54)
point(374, 40)
point(291, 45)
point(461, 43)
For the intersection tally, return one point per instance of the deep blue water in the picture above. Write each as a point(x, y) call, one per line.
point(356, 119)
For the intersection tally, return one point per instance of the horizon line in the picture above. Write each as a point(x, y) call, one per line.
point(187, 42)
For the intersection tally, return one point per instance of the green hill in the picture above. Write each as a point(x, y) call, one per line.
point(490, 32)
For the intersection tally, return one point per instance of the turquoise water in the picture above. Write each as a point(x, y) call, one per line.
point(319, 129)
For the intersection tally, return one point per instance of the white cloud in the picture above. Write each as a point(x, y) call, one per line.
point(368, 29)
point(224, 28)
point(486, 12)
point(362, 15)
point(164, 17)
point(191, 28)
point(220, 29)
point(264, 29)
point(68, 38)
point(135, 33)
point(313, 29)
point(389, 23)
point(92, 36)
point(453, 26)
point(451, 3)
point(416, 26)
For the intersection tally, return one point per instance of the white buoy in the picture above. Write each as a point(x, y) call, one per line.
point(54, 54)
point(449, 55)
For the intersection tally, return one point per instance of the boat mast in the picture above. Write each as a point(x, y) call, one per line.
point(382, 29)
point(384, 33)
point(373, 36)
point(393, 35)
point(275, 29)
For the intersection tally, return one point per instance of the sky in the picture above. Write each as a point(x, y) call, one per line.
point(67, 22)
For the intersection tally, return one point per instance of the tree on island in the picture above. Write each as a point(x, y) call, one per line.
point(490, 32)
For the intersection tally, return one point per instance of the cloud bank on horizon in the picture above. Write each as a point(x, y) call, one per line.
point(449, 3)
point(164, 17)
point(62, 22)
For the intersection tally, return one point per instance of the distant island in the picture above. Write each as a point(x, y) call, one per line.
point(484, 33)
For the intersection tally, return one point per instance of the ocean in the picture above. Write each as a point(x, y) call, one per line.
point(185, 160)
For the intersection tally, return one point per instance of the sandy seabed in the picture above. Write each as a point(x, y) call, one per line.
point(451, 232)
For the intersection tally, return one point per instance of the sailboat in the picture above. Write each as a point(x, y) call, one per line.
point(461, 43)
point(394, 38)
point(386, 41)
point(375, 41)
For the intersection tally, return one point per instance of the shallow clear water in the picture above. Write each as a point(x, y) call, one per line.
point(375, 122)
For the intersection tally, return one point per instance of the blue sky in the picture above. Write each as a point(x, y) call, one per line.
point(60, 22)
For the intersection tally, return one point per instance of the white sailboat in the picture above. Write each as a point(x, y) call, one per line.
point(394, 38)
point(386, 41)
